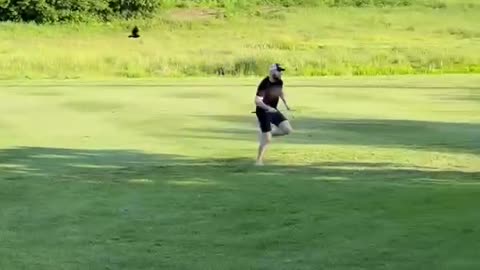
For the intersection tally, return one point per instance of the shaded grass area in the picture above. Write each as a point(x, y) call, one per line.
point(431, 136)
point(382, 173)
point(315, 41)
point(127, 209)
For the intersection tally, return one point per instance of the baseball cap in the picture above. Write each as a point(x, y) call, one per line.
point(276, 67)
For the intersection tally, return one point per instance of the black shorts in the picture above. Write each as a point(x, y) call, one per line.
point(266, 119)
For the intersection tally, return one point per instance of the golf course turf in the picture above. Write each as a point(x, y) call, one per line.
point(380, 173)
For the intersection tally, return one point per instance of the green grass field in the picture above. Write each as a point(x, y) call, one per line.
point(381, 173)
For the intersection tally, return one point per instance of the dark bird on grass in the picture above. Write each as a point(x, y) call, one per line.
point(135, 34)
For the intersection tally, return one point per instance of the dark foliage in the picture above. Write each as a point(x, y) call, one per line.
point(49, 11)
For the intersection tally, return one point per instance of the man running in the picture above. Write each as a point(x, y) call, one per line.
point(269, 91)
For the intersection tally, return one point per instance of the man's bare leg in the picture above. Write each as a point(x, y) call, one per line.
point(265, 139)
point(283, 129)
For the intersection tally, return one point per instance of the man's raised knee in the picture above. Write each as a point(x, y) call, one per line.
point(286, 128)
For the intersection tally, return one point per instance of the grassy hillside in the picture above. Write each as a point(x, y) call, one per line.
point(199, 41)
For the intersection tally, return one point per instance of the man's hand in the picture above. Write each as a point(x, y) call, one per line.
point(271, 110)
point(282, 97)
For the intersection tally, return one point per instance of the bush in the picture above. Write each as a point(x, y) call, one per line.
point(45, 11)
point(131, 8)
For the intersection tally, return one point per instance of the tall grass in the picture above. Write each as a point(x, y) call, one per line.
point(208, 42)
point(329, 3)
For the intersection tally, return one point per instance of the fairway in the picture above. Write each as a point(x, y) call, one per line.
point(380, 173)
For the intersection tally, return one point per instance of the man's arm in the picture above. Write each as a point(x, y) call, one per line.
point(259, 102)
point(282, 97)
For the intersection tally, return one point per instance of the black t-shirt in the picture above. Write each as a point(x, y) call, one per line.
point(270, 91)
